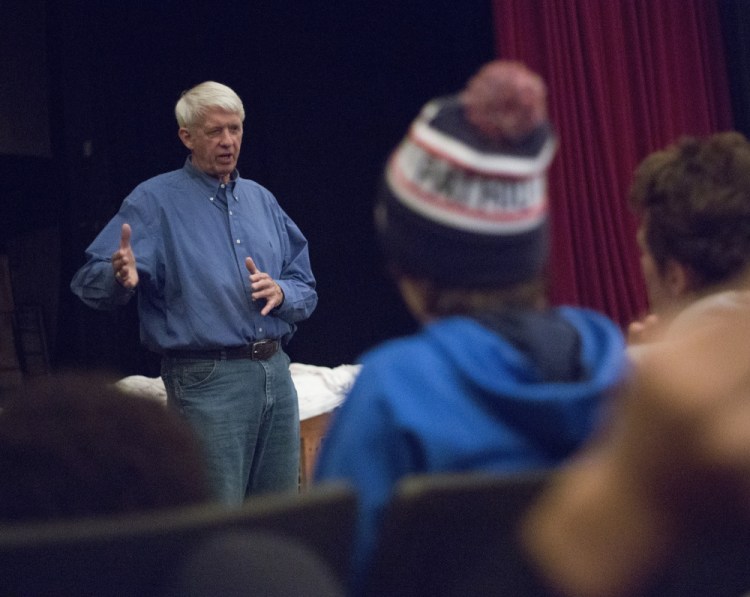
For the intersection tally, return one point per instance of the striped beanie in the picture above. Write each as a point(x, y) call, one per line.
point(464, 196)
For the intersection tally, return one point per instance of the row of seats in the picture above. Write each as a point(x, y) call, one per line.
point(443, 535)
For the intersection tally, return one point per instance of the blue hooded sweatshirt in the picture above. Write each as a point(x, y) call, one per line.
point(519, 393)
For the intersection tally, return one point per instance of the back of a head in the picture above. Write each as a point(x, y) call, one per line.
point(73, 445)
point(694, 198)
point(464, 197)
point(194, 102)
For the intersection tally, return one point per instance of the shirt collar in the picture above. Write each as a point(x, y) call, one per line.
point(209, 182)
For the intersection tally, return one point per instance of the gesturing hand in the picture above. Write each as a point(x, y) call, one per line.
point(123, 261)
point(264, 287)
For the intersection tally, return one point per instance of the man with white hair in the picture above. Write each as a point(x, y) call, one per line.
point(223, 277)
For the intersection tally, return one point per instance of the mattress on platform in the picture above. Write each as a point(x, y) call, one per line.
point(319, 389)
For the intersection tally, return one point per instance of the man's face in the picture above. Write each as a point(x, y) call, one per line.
point(215, 142)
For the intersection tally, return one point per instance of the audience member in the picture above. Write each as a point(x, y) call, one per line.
point(674, 467)
point(496, 379)
point(73, 445)
point(674, 461)
point(694, 201)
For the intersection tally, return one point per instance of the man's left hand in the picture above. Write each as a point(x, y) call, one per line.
point(264, 287)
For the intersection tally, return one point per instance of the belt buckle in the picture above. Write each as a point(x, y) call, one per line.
point(263, 349)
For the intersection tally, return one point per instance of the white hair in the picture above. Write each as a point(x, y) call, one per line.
point(193, 103)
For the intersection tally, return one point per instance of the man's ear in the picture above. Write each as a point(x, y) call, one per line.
point(185, 137)
point(679, 279)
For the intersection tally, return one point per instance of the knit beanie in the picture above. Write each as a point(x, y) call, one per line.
point(464, 196)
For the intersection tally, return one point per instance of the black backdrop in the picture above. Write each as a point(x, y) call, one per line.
point(329, 88)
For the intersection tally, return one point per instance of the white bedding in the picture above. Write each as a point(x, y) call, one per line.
point(319, 389)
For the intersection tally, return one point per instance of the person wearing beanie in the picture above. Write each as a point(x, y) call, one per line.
point(495, 380)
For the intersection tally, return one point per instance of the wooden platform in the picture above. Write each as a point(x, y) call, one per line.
point(312, 433)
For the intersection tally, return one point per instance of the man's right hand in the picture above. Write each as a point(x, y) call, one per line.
point(123, 261)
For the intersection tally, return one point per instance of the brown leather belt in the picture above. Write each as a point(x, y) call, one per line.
point(257, 351)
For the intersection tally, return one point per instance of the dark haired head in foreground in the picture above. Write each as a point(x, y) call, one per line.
point(73, 445)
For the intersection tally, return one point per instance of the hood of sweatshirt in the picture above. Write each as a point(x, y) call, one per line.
point(532, 385)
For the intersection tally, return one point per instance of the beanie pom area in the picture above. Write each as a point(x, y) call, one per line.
point(505, 101)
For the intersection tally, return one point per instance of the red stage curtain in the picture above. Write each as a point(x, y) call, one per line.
point(625, 77)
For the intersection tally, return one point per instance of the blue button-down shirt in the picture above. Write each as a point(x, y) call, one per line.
point(190, 237)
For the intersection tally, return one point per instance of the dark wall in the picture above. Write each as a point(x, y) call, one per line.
point(329, 88)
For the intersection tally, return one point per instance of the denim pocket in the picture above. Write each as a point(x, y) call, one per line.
point(191, 374)
point(183, 375)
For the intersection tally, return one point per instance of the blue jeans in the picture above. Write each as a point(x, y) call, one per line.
point(247, 415)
